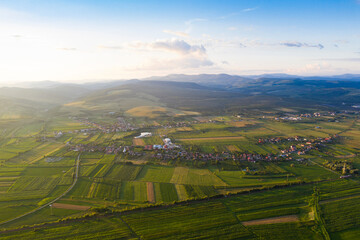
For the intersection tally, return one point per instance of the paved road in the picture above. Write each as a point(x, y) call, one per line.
point(53, 201)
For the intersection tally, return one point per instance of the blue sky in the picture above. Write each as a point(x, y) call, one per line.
point(82, 40)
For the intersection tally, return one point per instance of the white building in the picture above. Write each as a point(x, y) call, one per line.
point(144, 134)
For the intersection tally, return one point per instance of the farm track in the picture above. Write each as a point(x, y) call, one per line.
point(138, 142)
point(282, 219)
point(70, 206)
point(150, 192)
point(53, 201)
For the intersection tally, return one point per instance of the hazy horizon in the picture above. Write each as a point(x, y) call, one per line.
point(86, 41)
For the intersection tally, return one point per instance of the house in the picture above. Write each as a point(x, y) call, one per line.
point(148, 147)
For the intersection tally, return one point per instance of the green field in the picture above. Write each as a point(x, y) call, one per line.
point(136, 195)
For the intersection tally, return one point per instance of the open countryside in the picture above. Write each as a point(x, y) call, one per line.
point(155, 120)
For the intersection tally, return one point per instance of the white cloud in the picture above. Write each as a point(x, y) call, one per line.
point(249, 9)
point(171, 45)
point(179, 54)
point(300, 44)
point(179, 46)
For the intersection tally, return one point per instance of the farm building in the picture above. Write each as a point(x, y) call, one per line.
point(144, 134)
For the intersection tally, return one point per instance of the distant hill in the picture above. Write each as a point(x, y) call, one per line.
point(11, 108)
point(52, 95)
point(214, 80)
point(176, 95)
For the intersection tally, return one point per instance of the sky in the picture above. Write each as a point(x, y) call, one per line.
point(94, 40)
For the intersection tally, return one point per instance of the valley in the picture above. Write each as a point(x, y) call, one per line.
point(176, 160)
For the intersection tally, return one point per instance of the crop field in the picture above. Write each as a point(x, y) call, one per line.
point(37, 153)
point(124, 172)
point(147, 111)
point(220, 218)
point(134, 191)
point(156, 174)
point(202, 140)
point(281, 198)
point(212, 134)
point(138, 142)
point(165, 192)
point(90, 171)
point(81, 189)
point(109, 228)
point(210, 220)
point(309, 171)
point(285, 231)
point(153, 140)
point(34, 183)
point(198, 191)
point(64, 124)
point(103, 170)
point(195, 176)
point(104, 189)
point(45, 171)
point(342, 214)
point(239, 179)
point(262, 199)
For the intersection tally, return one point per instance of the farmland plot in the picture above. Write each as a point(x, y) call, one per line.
point(124, 172)
point(184, 175)
point(155, 174)
point(208, 220)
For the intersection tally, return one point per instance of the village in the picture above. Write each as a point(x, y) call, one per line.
point(170, 151)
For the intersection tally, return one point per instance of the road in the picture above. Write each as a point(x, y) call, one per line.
point(53, 201)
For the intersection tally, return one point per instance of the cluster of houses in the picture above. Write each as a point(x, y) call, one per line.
point(174, 154)
point(301, 149)
point(175, 124)
point(288, 118)
point(296, 139)
point(120, 126)
point(170, 151)
point(280, 139)
point(293, 117)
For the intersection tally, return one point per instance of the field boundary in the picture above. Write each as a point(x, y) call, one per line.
point(53, 201)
